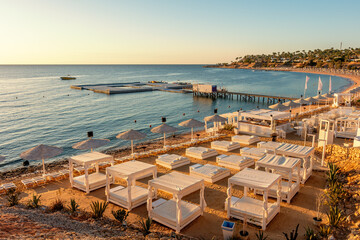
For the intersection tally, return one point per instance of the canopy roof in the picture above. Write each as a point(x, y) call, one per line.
point(131, 135)
point(177, 183)
point(278, 107)
point(319, 97)
point(133, 169)
point(301, 101)
point(41, 152)
point(311, 100)
point(278, 162)
point(328, 95)
point(192, 123)
point(90, 158)
point(291, 104)
point(164, 128)
point(265, 114)
point(255, 179)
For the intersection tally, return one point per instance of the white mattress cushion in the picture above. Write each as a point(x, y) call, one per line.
point(168, 210)
point(209, 170)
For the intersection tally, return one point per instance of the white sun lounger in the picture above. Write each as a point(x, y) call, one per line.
point(172, 161)
point(245, 139)
point(234, 161)
point(209, 172)
point(226, 146)
point(255, 153)
point(200, 152)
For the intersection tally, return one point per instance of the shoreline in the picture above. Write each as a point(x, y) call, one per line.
point(122, 151)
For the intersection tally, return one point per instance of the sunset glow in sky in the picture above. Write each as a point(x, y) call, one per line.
point(169, 32)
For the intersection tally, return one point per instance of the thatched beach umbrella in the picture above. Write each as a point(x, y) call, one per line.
point(301, 101)
point(192, 123)
point(131, 135)
point(311, 100)
point(41, 152)
point(164, 128)
point(291, 104)
point(91, 143)
point(328, 95)
point(278, 107)
point(215, 118)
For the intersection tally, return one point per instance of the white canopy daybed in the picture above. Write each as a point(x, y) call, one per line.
point(172, 161)
point(131, 196)
point(234, 161)
point(226, 146)
point(258, 212)
point(293, 150)
point(346, 127)
point(200, 152)
point(254, 153)
point(176, 213)
point(283, 166)
point(245, 139)
point(209, 172)
point(89, 182)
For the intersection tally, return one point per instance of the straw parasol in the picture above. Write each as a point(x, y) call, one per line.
point(278, 106)
point(311, 100)
point(291, 104)
point(215, 118)
point(301, 101)
point(131, 135)
point(328, 95)
point(164, 128)
point(2, 158)
point(319, 97)
point(41, 152)
point(192, 123)
point(91, 143)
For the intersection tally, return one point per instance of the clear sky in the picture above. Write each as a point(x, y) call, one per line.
point(169, 32)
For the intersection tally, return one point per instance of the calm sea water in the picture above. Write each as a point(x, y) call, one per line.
point(37, 107)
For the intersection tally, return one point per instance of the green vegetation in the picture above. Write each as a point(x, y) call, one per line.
point(145, 226)
point(34, 202)
point(98, 208)
point(328, 58)
point(12, 196)
point(261, 236)
point(310, 234)
point(293, 234)
point(120, 215)
point(74, 206)
point(57, 205)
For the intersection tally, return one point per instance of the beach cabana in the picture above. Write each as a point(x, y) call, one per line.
point(200, 152)
point(208, 172)
point(283, 166)
point(248, 209)
point(89, 182)
point(164, 128)
point(245, 139)
point(172, 161)
point(296, 151)
point(254, 153)
point(176, 213)
point(131, 135)
point(262, 122)
point(346, 127)
point(226, 146)
point(192, 123)
point(234, 161)
point(131, 196)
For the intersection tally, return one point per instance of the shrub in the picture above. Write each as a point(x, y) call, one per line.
point(120, 215)
point(310, 234)
point(324, 231)
point(98, 208)
point(74, 206)
point(333, 174)
point(335, 216)
point(12, 196)
point(34, 202)
point(260, 235)
point(228, 127)
point(57, 205)
point(145, 226)
point(293, 234)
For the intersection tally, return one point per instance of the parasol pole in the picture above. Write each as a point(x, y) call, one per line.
point(164, 139)
point(132, 149)
point(192, 133)
point(43, 163)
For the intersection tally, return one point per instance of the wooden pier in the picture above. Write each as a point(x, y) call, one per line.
point(246, 97)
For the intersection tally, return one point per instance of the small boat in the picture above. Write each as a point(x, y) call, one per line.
point(68, 78)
